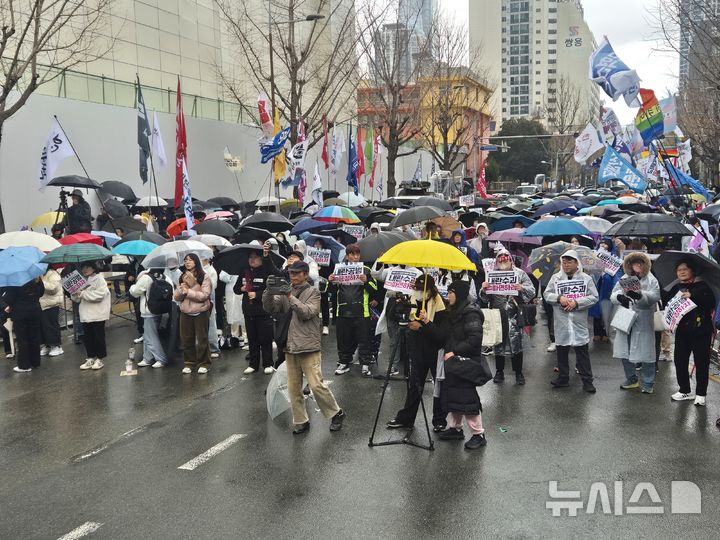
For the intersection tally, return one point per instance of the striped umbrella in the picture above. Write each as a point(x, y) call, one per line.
point(337, 214)
point(76, 253)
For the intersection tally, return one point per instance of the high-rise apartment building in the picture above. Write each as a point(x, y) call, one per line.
point(541, 42)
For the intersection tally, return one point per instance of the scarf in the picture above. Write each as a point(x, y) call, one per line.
point(432, 305)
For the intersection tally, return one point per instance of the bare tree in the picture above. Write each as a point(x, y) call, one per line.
point(41, 38)
point(395, 48)
point(315, 70)
point(699, 119)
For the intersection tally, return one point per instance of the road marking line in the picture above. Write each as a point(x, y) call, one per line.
point(104, 446)
point(212, 452)
point(86, 528)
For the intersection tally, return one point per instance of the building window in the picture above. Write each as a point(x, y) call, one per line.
point(552, 71)
point(514, 110)
point(550, 41)
point(552, 51)
point(552, 31)
point(552, 61)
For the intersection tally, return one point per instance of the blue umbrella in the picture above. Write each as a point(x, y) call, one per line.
point(330, 243)
point(110, 238)
point(556, 227)
point(309, 224)
point(558, 205)
point(134, 248)
point(19, 265)
point(508, 222)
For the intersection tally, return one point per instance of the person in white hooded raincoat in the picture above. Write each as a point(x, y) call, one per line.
point(570, 303)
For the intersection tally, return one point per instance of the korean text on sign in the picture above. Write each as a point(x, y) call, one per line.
point(74, 282)
point(500, 282)
point(320, 256)
point(348, 273)
point(675, 310)
point(401, 280)
point(572, 289)
point(611, 263)
point(358, 231)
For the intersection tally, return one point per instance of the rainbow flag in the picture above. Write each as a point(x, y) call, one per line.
point(649, 119)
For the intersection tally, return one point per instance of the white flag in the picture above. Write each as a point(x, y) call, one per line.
point(317, 195)
point(379, 186)
point(158, 148)
point(587, 143)
point(341, 142)
point(231, 162)
point(334, 154)
point(187, 200)
point(56, 149)
point(417, 177)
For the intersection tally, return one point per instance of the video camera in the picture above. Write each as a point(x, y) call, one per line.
point(400, 308)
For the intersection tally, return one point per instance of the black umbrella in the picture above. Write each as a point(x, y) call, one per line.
point(245, 235)
point(367, 211)
point(482, 203)
point(709, 270)
point(416, 215)
point(468, 218)
point(148, 236)
point(115, 209)
point(558, 205)
point(433, 201)
point(234, 259)
point(73, 180)
point(223, 201)
point(118, 189)
point(392, 203)
point(648, 225)
point(215, 226)
point(329, 194)
point(269, 221)
point(127, 224)
point(345, 238)
point(374, 245)
point(710, 213)
point(379, 218)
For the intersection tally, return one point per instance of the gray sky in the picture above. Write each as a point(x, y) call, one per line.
point(628, 25)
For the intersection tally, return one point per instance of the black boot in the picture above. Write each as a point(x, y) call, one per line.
point(519, 379)
point(499, 377)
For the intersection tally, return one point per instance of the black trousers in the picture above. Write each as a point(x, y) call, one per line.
point(599, 327)
point(139, 322)
point(50, 327)
point(582, 362)
point(5, 337)
point(94, 339)
point(220, 306)
point(550, 319)
point(325, 308)
point(516, 360)
point(27, 332)
point(259, 332)
point(420, 366)
point(352, 333)
point(699, 346)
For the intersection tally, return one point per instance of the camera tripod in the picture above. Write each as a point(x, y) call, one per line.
point(62, 206)
point(400, 343)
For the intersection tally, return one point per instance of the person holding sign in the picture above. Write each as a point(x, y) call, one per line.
point(571, 292)
point(352, 311)
point(639, 345)
point(94, 310)
point(694, 332)
point(459, 240)
point(523, 292)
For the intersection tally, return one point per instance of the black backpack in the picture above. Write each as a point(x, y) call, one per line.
point(159, 296)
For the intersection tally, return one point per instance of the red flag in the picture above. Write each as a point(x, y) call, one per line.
point(325, 157)
point(481, 185)
point(181, 151)
point(360, 152)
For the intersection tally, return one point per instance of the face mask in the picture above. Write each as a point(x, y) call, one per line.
point(418, 296)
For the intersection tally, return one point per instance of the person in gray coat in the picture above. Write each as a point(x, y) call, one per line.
point(302, 350)
point(571, 292)
point(639, 345)
point(511, 305)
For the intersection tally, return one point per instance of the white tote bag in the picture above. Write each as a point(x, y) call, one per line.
point(623, 319)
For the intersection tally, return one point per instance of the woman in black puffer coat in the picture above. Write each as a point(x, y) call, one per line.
point(462, 327)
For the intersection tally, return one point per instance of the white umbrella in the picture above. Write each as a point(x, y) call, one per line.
point(594, 224)
point(158, 257)
point(211, 240)
point(28, 238)
point(352, 200)
point(269, 201)
point(152, 200)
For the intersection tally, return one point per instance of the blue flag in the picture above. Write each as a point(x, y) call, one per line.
point(274, 146)
point(687, 180)
point(353, 163)
point(614, 167)
point(613, 75)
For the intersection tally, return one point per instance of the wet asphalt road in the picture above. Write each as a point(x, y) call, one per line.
point(93, 447)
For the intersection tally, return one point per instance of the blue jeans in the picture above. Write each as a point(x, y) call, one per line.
point(647, 373)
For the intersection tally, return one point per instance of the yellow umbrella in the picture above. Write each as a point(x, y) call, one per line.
point(697, 197)
point(48, 219)
point(427, 254)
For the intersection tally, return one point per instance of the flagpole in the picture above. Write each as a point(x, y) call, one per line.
point(679, 188)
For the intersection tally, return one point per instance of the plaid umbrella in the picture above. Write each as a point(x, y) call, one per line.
point(76, 253)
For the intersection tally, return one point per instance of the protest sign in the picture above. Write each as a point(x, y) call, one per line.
point(572, 289)
point(74, 282)
point(611, 263)
point(466, 200)
point(501, 282)
point(402, 280)
point(348, 273)
point(320, 256)
point(488, 265)
point(676, 308)
point(358, 231)
point(630, 284)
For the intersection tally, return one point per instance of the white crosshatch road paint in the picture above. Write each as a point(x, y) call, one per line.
point(212, 452)
point(83, 530)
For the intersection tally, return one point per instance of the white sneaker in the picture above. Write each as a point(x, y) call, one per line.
point(98, 364)
point(326, 331)
point(366, 371)
point(144, 363)
point(268, 371)
point(249, 370)
point(55, 351)
point(342, 368)
point(9, 355)
point(679, 396)
point(186, 370)
point(44, 350)
point(700, 401)
point(158, 365)
point(215, 355)
point(28, 370)
point(88, 364)
point(551, 348)
point(202, 370)
point(138, 340)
